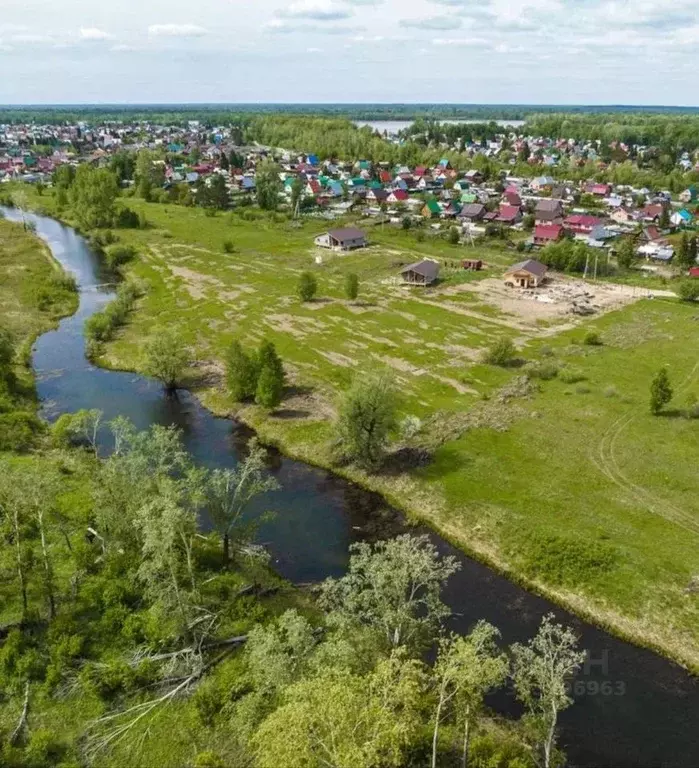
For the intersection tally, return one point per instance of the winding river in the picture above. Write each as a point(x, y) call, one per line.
point(633, 708)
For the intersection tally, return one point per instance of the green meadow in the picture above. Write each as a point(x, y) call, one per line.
point(569, 485)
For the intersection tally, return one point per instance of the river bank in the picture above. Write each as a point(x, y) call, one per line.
point(320, 515)
point(473, 509)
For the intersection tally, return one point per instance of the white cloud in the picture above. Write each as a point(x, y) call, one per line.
point(433, 22)
point(316, 10)
point(465, 42)
point(176, 30)
point(93, 33)
point(32, 39)
point(314, 50)
point(122, 48)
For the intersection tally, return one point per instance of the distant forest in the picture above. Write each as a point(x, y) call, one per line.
point(223, 113)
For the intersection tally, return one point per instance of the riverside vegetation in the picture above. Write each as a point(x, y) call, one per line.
point(470, 444)
point(127, 636)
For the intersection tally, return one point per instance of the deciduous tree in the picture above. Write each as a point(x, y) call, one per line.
point(166, 358)
point(392, 587)
point(660, 391)
point(229, 493)
point(542, 669)
point(367, 418)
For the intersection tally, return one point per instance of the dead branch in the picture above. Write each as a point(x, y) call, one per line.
point(120, 724)
point(22, 724)
point(190, 650)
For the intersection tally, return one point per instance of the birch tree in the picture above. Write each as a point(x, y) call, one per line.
point(229, 493)
point(345, 720)
point(394, 588)
point(541, 671)
point(467, 669)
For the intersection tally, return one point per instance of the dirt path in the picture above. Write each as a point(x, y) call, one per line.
point(605, 459)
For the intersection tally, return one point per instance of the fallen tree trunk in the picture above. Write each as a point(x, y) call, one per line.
point(22, 724)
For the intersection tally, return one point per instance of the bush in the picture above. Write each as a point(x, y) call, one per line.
point(208, 759)
point(592, 339)
point(116, 255)
point(502, 353)
point(688, 290)
point(101, 326)
point(352, 287)
point(270, 380)
point(542, 370)
point(127, 219)
point(453, 237)
point(19, 430)
point(44, 749)
point(307, 286)
point(571, 375)
point(228, 246)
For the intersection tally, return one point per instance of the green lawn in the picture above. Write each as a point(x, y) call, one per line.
point(574, 488)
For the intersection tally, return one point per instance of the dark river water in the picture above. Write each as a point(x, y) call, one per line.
point(633, 709)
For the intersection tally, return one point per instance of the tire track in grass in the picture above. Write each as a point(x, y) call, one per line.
point(607, 463)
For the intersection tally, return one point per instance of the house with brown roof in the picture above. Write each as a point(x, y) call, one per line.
point(472, 212)
point(345, 239)
point(526, 274)
point(423, 272)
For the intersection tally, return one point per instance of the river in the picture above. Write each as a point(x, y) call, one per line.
point(633, 709)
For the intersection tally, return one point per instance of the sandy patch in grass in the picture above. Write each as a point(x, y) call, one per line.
point(337, 359)
point(401, 365)
point(194, 282)
point(462, 389)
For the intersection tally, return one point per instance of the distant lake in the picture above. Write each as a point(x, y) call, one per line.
point(394, 126)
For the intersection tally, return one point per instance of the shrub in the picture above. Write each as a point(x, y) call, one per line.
point(592, 339)
point(228, 246)
point(44, 749)
point(542, 370)
point(208, 759)
point(502, 353)
point(571, 375)
point(453, 236)
point(307, 286)
point(19, 430)
point(116, 255)
point(582, 389)
point(166, 357)
point(127, 219)
point(352, 286)
point(688, 290)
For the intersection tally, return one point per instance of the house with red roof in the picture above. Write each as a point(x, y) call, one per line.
point(599, 190)
point(581, 224)
point(397, 196)
point(509, 214)
point(547, 233)
point(511, 197)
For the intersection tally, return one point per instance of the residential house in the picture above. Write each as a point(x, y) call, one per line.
point(511, 197)
point(547, 233)
point(598, 190)
point(689, 195)
point(526, 274)
point(622, 216)
point(652, 213)
point(509, 214)
point(472, 212)
point(423, 272)
point(474, 177)
point(581, 224)
point(681, 218)
point(541, 183)
point(344, 239)
point(431, 209)
point(397, 196)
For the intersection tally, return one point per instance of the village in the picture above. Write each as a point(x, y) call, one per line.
point(529, 212)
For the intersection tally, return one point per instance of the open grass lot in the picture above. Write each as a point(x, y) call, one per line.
point(34, 293)
point(570, 485)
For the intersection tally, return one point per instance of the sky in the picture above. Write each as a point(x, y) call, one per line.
point(306, 51)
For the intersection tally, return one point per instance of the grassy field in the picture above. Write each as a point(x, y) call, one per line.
point(569, 485)
point(34, 291)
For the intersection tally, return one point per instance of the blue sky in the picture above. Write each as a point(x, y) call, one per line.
point(465, 51)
